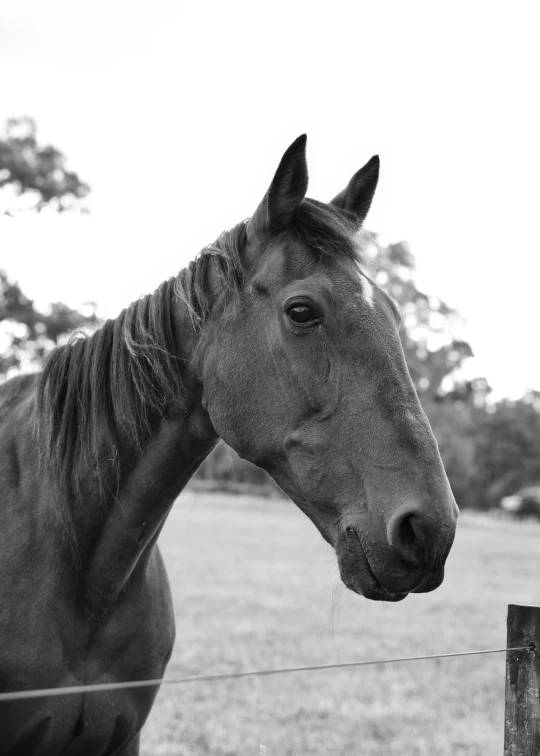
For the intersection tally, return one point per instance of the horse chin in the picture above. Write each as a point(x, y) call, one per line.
point(368, 586)
point(432, 581)
point(357, 575)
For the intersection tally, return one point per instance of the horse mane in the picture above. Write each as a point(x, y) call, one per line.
point(100, 392)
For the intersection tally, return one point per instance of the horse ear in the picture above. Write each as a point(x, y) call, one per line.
point(357, 196)
point(286, 192)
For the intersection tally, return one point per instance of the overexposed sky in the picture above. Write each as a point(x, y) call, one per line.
point(177, 114)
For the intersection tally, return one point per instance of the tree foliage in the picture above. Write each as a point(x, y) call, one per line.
point(27, 334)
point(432, 351)
point(33, 175)
point(507, 448)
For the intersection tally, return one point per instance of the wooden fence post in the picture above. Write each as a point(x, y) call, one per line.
point(522, 709)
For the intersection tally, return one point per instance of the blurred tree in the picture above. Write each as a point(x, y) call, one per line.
point(26, 334)
point(507, 454)
point(432, 352)
point(33, 175)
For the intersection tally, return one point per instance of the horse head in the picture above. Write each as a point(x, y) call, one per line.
point(303, 374)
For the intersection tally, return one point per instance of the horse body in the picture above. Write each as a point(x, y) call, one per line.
point(274, 340)
point(116, 624)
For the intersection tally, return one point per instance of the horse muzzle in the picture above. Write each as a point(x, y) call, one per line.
point(387, 579)
point(357, 573)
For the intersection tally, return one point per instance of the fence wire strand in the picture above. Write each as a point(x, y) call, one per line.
point(19, 695)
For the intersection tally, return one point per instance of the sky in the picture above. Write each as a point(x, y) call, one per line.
point(177, 114)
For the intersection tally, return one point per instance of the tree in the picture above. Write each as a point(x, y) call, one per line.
point(432, 351)
point(35, 175)
point(507, 454)
point(26, 334)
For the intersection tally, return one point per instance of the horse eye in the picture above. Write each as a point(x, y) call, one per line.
point(301, 314)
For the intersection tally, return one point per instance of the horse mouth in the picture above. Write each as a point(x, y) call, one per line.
point(356, 572)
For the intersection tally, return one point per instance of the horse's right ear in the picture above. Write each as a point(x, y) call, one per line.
point(357, 196)
point(286, 192)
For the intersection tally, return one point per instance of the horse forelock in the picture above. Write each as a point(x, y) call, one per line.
point(329, 232)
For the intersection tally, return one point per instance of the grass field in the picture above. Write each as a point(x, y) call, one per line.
point(255, 586)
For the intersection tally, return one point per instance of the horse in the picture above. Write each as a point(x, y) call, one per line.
point(273, 339)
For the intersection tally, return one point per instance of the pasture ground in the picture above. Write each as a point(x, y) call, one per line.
point(255, 586)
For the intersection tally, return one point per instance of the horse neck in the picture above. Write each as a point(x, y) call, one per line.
point(146, 492)
point(139, 439)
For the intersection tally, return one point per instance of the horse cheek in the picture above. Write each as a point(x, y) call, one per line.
point(231, 389)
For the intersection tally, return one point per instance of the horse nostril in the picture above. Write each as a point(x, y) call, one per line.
point(409, 535)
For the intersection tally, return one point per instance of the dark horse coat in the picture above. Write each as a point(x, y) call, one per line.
point(273, 339)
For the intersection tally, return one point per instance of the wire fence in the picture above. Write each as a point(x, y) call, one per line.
point(19, 695)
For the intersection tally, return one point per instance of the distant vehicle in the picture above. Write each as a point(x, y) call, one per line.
point(524, 503)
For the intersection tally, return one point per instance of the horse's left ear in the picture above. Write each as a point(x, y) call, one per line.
point(286, 192)
point(357, 196)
